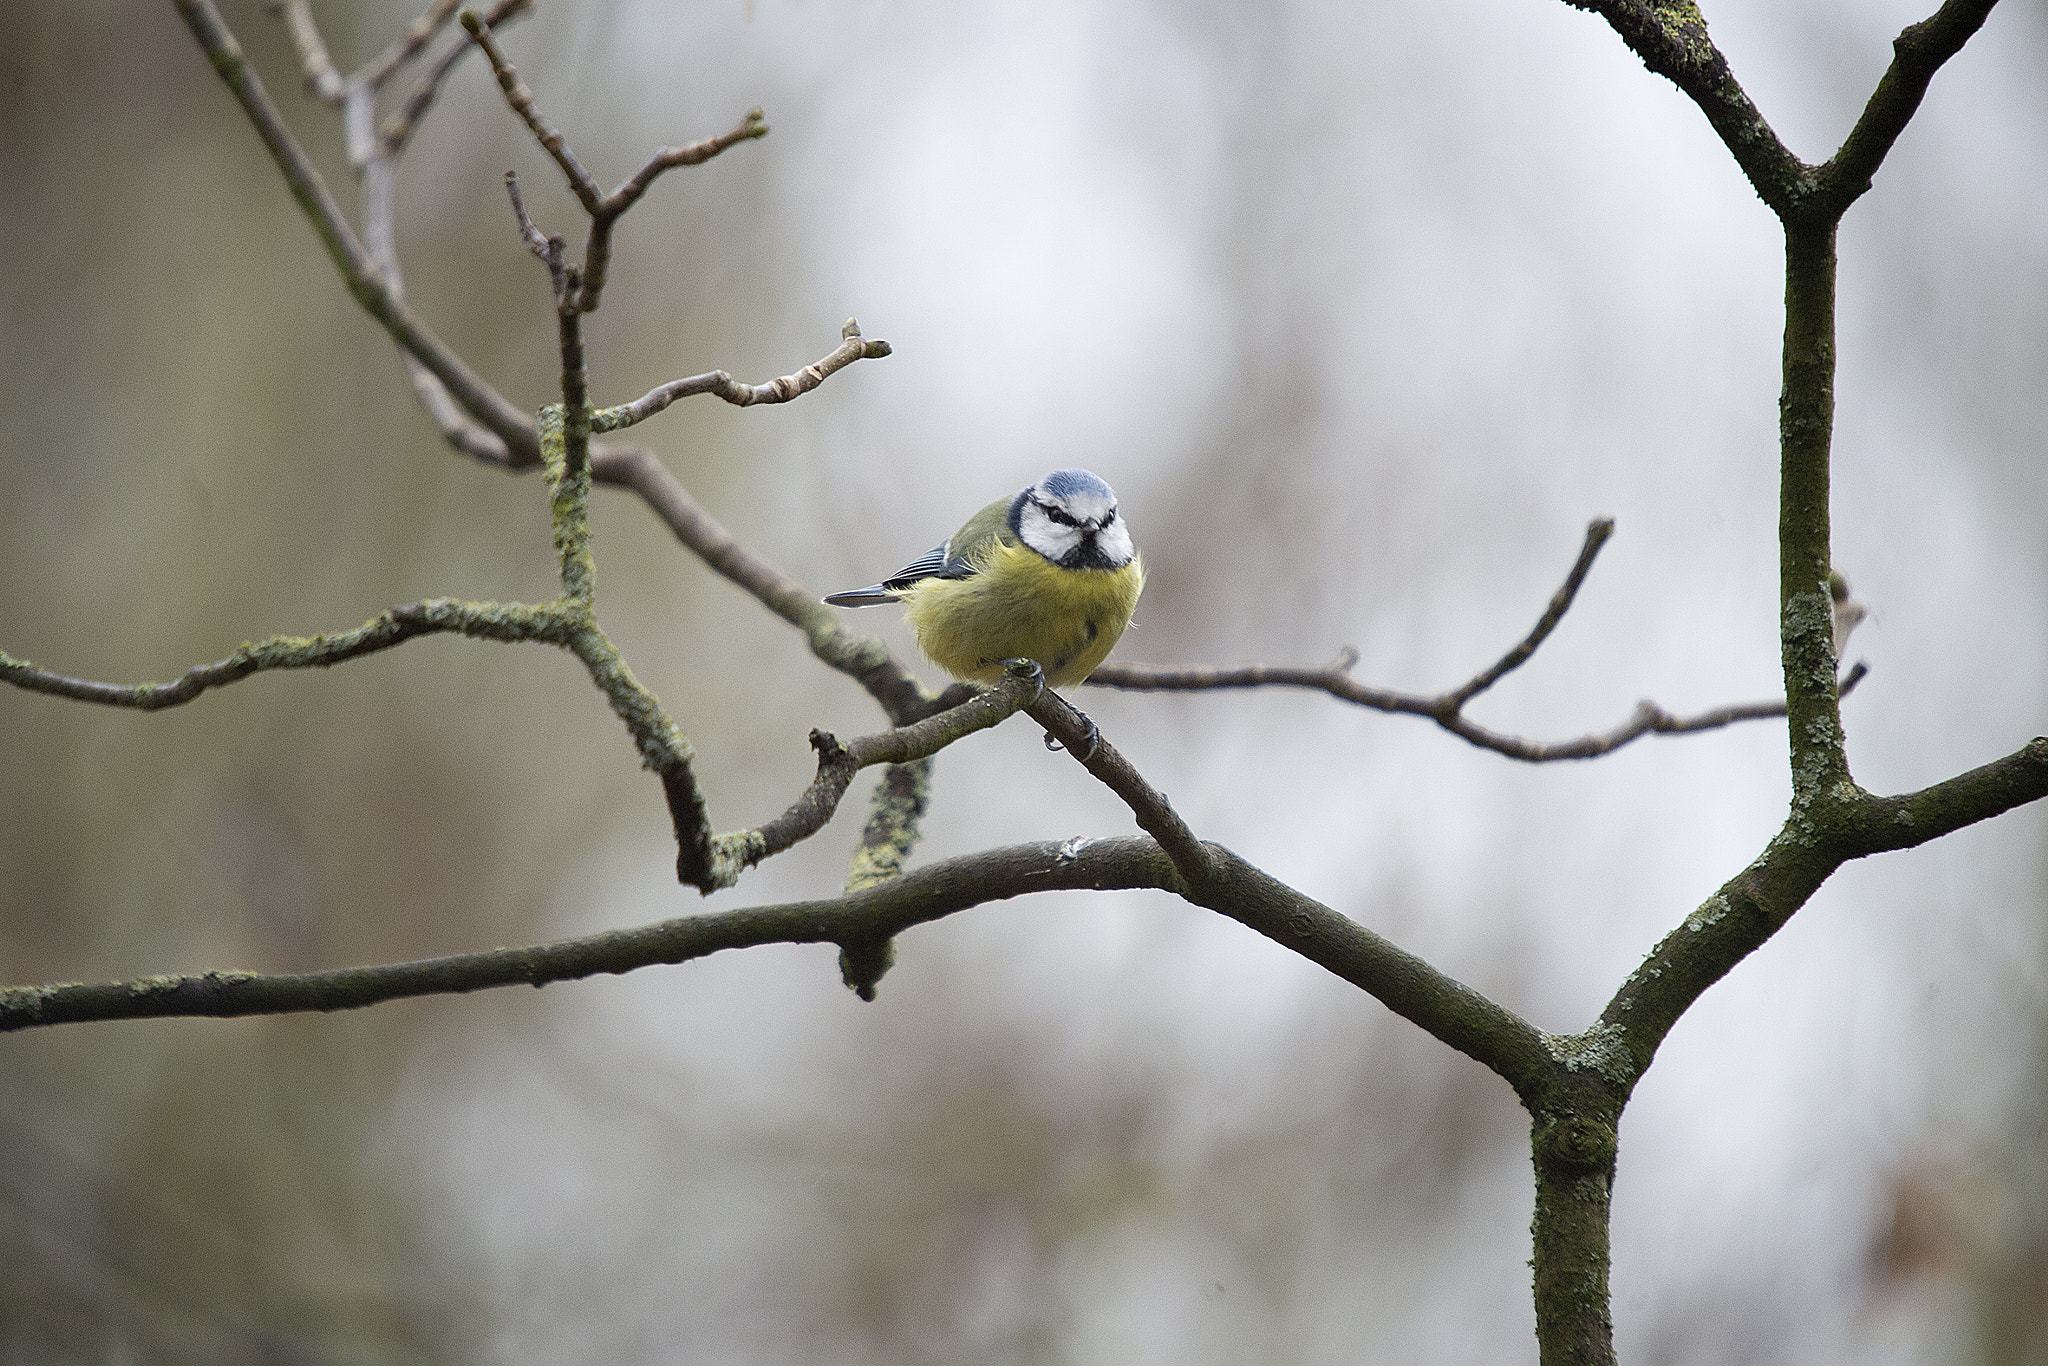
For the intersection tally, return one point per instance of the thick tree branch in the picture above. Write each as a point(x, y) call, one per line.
point(1755, 903)
point(1671, 38)
point(1917, 53)
point(887, 908)
point(1411, 988)
point(1806, 417)
point(1881, 824)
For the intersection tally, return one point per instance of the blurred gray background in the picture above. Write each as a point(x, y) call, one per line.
point(1365, 311)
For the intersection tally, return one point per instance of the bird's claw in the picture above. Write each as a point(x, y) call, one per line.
point(1094, 739)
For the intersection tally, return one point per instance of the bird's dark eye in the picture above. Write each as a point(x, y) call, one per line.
point(1057, 515)
point(1110, 518)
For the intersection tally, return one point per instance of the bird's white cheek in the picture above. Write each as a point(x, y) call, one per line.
point(1115, 542)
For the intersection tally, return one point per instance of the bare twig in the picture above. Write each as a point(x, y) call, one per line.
point(852, 347)
point(364, 278)
point(407, 45)
point(597, 255)
point(838, 763)
point(1447, 708)
point(520, 97)
point(397, 129)
point(322, 80)
point(1597, 532)
point(501, 621)
point(548, 249)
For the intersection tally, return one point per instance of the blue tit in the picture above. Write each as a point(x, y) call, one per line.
point(1049, 574)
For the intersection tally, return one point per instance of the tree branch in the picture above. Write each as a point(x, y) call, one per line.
point(1194, 860)
point(1750, 907)
point(863, 658)
point(597, 253)
point(323, 82)
point(359, 272)
point(1597, 532)
point(925, 894)
point(1671, 38)
point(1447, 708)
point(397, 129)
point(520, 97)
point(408, 45)
point(838, 763)
point(500, 621)
point(1917, 53)
point(852, 347)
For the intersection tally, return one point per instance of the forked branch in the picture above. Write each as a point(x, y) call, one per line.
point(1447, 708)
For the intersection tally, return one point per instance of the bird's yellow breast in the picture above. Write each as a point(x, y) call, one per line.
point(1021, 605)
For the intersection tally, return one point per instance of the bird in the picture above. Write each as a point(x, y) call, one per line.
point(1048, 574)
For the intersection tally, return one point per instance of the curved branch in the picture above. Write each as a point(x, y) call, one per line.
point(597, 252)
point(923, 895)
point(838, 763)
point(500, 621)
point(1597, 532)
point(863, 658)
point(1447, 708)
point(852, 347)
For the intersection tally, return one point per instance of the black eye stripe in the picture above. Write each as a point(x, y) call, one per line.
point(1054, 514)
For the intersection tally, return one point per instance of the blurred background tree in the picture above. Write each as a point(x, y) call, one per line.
point(1364, 314)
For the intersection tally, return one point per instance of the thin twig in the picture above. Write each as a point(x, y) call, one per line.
point(398, 128)
point(407, 45)
point(359, 270)
point(1597, 532)
point(597, 254)
point(1447, 708)
point(838, 763)
point(501, 621)
point(520, 97)
point(853, 347)
point(323, 81)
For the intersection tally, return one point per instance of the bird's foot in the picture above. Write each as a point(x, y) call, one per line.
point(1094, 739)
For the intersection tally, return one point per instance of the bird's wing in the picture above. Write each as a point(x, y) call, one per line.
point(959, 556)
point(933, 564)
